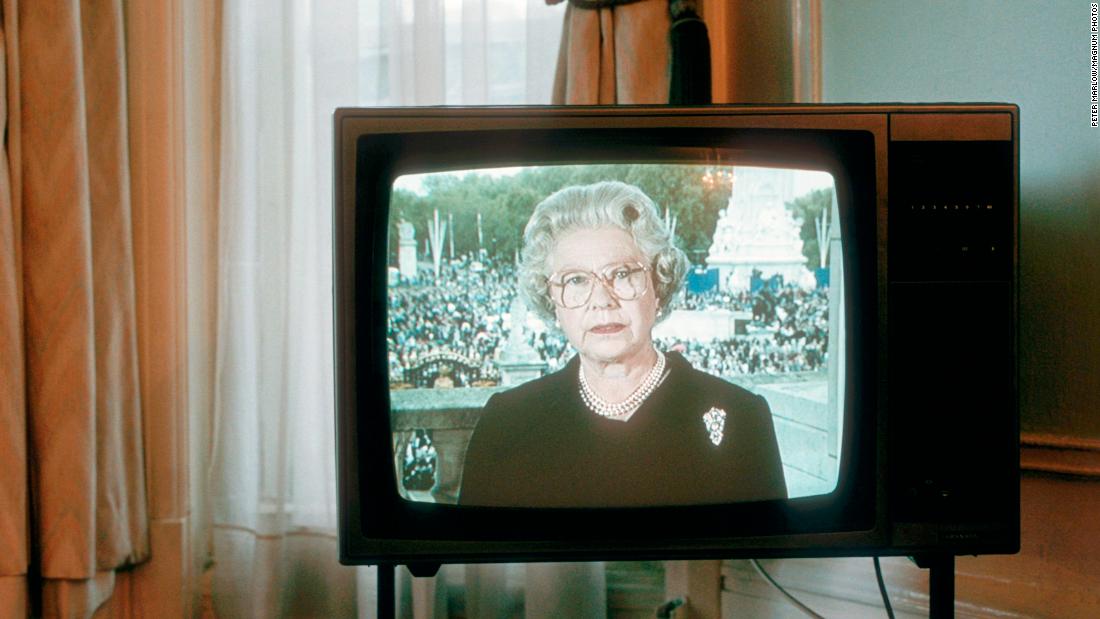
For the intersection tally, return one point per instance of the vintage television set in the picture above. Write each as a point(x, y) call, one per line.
point(897, 422)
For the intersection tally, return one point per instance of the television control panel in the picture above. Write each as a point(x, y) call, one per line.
point(951, 211)
point(951, 298)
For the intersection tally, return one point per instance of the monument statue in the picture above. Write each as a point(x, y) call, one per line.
point(756, 231)
point(519, 362)
point(406, 250)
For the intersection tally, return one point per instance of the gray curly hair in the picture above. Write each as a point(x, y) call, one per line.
point(608, 203)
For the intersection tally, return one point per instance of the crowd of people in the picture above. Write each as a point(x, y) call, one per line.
point(460, 315)
point(460, 312)
point(420, 462)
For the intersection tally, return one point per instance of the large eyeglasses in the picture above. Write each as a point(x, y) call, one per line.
point(572, 289)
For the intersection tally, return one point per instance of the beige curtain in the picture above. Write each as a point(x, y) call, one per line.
point(73, 483)
point(617, 54)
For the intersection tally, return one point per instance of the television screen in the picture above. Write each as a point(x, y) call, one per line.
point(571, 333)
point(749, 307)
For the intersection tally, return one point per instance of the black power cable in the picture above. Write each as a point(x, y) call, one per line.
point(790, 598)
point(882, 589)
point(806, 609)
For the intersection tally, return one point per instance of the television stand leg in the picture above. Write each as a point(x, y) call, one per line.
point(387, 605)
point(941, 584)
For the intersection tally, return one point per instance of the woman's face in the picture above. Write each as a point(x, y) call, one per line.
point(605, 329)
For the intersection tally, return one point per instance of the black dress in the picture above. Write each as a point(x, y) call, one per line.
point(538, 445)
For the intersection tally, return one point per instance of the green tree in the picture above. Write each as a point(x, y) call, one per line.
point(506, 202)
point(807, 209)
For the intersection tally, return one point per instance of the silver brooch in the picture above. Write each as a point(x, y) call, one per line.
point(715, 422)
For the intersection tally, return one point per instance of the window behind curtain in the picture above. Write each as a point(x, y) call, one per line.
point(285, 66)
point(465, 52)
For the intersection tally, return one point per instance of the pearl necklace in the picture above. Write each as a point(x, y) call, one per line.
point(627, 407)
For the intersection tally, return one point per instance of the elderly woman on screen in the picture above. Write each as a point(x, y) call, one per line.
point(623, 423)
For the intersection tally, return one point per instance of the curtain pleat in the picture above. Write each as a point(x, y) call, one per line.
point(71, 413)
point(76, 598)
point(14, 538)
point(58, 290)
point(121, 519)
point(614, 55)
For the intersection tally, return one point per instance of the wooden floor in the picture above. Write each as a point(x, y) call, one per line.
point(830, 587)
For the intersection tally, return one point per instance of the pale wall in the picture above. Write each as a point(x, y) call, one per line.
point(1034, 54)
